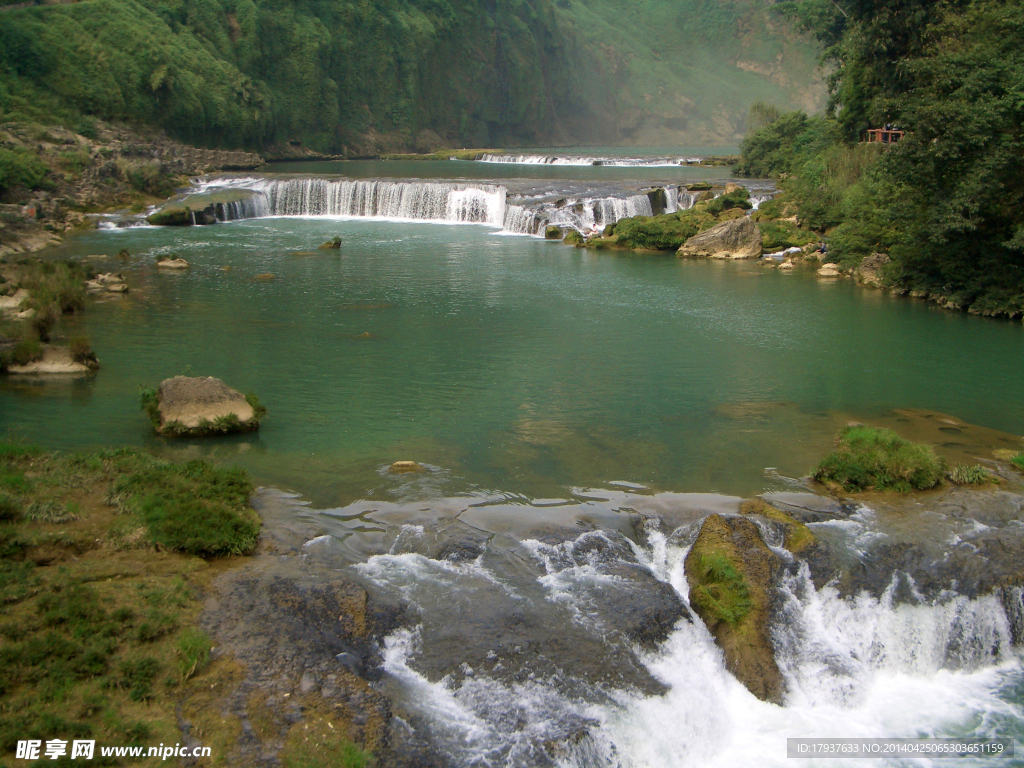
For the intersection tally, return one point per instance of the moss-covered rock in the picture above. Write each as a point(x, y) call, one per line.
point(551, 232)
point(171, 216)
point(658, 199)
point(186, 406)
point(574, 238)
point(661, 233)
point(731, 573)
point(738, 197)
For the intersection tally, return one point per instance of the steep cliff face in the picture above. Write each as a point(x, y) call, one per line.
point(355, 77)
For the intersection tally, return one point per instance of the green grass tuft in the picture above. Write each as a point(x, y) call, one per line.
point(964, 474)
point(1018, 461)
point(193, 648)
point(723, 590)
point(870, 457)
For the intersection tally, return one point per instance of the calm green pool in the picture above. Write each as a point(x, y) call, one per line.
point(508, 364)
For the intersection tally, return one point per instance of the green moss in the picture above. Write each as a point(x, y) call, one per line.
point(574, 238)
point(870, 457)
point(661, 233)
point(798, 537)
point(1018, 461)
point(171, 216)
point(722, 592)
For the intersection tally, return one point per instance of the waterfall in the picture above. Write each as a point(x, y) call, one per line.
point(426, 201)
point(396, 201)
point(614, 161)
point(854, 666)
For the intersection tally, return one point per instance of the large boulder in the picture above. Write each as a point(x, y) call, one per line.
point(870, 270)
point(732, 574)
point(735, 239)
point(197, 405)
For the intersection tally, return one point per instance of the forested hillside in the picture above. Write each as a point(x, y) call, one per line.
point(946, 203)
point(357, 77)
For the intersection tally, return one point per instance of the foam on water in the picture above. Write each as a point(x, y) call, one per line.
point(854, 667)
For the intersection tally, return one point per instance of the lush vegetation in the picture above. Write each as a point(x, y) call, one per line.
point(873, 458)
point(98, 637)
point(947, 202)
point(364, 77)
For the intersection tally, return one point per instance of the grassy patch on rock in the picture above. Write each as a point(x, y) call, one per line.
point(723, 592)
point(98, 637)
point(874, 458)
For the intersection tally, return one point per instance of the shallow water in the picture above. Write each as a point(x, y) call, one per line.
point(507, 363)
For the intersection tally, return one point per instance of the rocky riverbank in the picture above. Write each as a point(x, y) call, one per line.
point(64, 176)
point(387, 620)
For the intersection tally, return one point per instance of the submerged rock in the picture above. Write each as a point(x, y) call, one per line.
point(738, 238)
point(55, 360)
point(193, 406)
point(404, 466)
point(732, 575)
point(175, 263)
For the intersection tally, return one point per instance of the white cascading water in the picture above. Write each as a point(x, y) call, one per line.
point(583, 160)
point(854, 667)
point(433, 202)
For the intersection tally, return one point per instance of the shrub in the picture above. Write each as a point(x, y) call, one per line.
point(81, 349)
point(963, 474)
point(27, 350)
point(870, 457)
point(258, 409)
point(739, 198)
point(21, 170)
point(776, 235)
point(10, 509)
point(151, 405)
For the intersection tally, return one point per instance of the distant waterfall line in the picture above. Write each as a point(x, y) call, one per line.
point(439, 202)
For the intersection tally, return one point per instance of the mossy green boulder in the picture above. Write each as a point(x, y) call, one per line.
point(732, 573)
